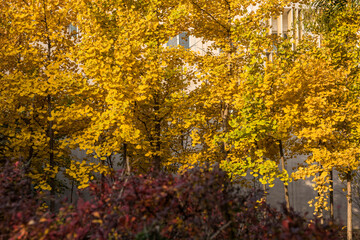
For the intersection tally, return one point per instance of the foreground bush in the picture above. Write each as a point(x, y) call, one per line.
point(17, 202)
point(200, 204)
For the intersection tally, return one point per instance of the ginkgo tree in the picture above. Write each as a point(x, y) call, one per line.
point(40, 87)
point(261, 134)
point(123, 53)
point(235, 119)
point(330, 112)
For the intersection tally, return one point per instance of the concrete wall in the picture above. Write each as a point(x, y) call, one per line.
point(301, 192)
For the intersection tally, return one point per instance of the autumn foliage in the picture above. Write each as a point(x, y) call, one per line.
point(103, 79)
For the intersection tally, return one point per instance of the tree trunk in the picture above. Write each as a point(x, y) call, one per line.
point(349, 208)
point(72, 191)
point(50, 123)
point(320, 214)
point(282, 162)
point(225, 126)
point(225, 111)
point(126, 161)
point(331, 197)
point(157, 133)
point(265, 193)
point(51, 154)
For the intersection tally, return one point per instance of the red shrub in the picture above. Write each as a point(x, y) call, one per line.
point(17, 201)
point(201, 204)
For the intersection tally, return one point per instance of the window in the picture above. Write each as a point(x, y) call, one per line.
point(182, 39)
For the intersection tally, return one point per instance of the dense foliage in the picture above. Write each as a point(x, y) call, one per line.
point(17, 202)
point(105, 77)
point(200, 204)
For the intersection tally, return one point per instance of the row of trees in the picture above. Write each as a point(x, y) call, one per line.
point(110, 87)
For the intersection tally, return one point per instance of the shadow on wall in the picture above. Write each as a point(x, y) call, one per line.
point(70, 192)
point(301, 192)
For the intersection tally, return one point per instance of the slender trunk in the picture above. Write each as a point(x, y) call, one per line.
point(320, 214)
point(28, 160)
point(109, 161)
point(157, 137)
point(126, 161)
point(226, 106)
point(349, 208)
point(331, 197)
point(128, 168)
point(225, 127)
point(72, 191)
point(51, 154)
point(226, 109)
point(264, 189)
point(265, 200)
point(50, 123)
point(282, 162)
